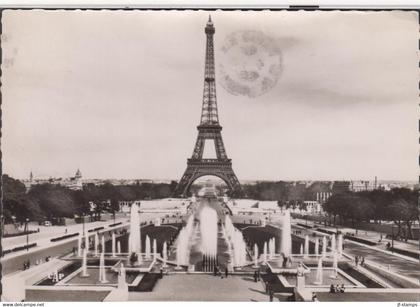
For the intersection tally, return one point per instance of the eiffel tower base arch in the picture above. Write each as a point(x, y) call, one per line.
point(208, 167)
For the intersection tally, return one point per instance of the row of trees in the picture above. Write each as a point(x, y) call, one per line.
point(291, 191)
point(45, 201)
point(48, 201)
point(398, 206)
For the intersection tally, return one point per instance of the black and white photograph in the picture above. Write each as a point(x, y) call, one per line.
point(210, 155)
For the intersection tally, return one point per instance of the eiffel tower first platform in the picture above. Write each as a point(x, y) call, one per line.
point(209, 129)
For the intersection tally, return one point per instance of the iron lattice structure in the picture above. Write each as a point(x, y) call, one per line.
point(209, 129)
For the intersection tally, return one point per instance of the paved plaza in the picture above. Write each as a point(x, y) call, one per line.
point(368, 297)
point(200, 286)
point(396, 263)
point(42, 238)
point(203, 287)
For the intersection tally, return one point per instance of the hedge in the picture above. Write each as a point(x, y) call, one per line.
point(360, 240)
point(116, 224)
point(303, 225)
point(405, 252)
point(19, 234)
point(64, 237)
point(19, 248)
point(326, 231)
point(96, 229)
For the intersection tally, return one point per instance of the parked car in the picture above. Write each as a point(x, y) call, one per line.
point(47, 223)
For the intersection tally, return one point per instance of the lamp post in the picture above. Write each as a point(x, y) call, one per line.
point(27, 234)
point(2, 225)
point(418, 207)
point(83, 222)
point(392, 238)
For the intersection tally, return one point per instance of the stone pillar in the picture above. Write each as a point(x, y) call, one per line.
point(300, 282)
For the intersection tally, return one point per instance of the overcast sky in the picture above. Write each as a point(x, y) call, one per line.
point(118, 94)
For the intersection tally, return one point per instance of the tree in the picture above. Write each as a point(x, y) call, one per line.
point(54, 200)
point(265, 190)
point(361, 209)
point(296, 192)
point(380, 200)
point(16, 202)
point(403, 210)
point(281, 204)
point(48, 201)
point(340, 187)
point(337, 205)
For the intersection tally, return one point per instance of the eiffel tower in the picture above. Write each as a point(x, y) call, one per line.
point(209, 129)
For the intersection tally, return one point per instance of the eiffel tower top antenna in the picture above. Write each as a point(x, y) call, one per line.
point(209, 113)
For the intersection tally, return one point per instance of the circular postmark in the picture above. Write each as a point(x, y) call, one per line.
point(250, 63)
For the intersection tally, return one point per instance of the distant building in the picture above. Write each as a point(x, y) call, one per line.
point(99, 182)
point(322, 197)
point(362, 185)
point(313, 207)
point(365, 185)
point(74, 183)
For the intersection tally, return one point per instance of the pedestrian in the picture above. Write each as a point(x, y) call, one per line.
point(332, 289)
point(258, 275)
point(255, 276)
point(271, 296)
point(356, 260)
point(226, 272)
point(215, 271)
point(342, 289)
point(362, 262)
point(285, 259)
point(24, 265)
point(65, 231)
point(314, 297)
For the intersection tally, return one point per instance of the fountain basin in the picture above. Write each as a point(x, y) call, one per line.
point(327, 280)
point(277, 268)
point(144, 266)
point(93, 278)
